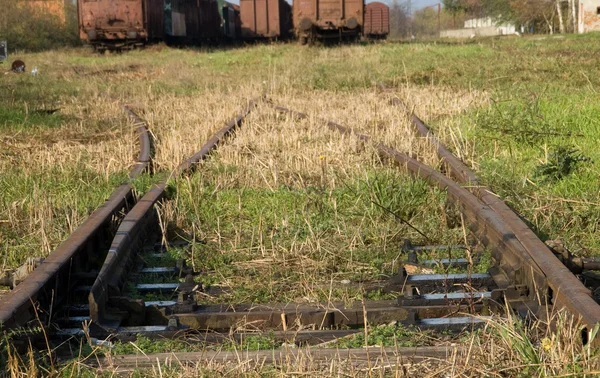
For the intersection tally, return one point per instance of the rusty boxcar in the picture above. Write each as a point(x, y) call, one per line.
point(320, 19)
point(377, 20)
point(192, 21)
point(265, 19)
point(112, 24)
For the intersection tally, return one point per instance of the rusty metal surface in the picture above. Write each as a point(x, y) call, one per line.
point(52, 278)
point(377, 19)
point(566, 289)
point(145, 143)
point(321, 16)
point(110, 20)
point(138, 222)
point(360, 357)
point(113, 272)
point(265, 18)
point(51, 282)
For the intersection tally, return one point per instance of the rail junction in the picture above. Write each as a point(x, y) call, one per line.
point(91, 285)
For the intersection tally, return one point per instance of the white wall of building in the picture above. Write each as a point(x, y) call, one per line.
point(589, 16)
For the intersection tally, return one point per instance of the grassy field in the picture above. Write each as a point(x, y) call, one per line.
point(288, 209)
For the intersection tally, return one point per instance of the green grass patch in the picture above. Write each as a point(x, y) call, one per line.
point(262, 245)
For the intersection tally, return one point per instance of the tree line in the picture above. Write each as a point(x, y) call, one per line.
point(26, 26)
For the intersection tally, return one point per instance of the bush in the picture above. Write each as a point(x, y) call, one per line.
point(26, 27)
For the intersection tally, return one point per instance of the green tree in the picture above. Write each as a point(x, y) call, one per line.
point(454, 7)
point(400, 20)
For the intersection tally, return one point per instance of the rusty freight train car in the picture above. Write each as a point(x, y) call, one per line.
point(113, 24)
point(124, 24)
point(265, 19)
point(107, 23)
point(377, 21)
point(322, 19)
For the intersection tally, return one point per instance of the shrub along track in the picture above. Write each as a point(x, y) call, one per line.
point(526, 277)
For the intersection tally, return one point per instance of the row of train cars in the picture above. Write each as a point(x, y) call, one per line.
point(124, 24)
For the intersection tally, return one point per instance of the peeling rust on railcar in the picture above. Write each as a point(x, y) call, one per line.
point(323, 19)
point(110, 24)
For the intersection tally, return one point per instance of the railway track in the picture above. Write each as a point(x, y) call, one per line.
point(49, 286)
point(131, 287)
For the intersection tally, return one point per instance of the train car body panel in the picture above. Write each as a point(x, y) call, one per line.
point(265, 18)
point(377, 20)
point(192, 21)
point(328, 18)
point(155, 19)
point(112, 21)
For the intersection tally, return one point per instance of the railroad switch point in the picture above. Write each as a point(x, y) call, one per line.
point(399, 278)
point(412, 257)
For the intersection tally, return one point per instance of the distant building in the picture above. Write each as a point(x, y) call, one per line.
point(589, 16)
point(479, 27)
point(487, 22)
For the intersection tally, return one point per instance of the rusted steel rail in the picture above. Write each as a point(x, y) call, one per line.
point(528, 274)
point(116, 312)
point(535, 273)
point(50, 284)
point(372, 357)
point(114, 309)
point(107, 306)
point(144, 161)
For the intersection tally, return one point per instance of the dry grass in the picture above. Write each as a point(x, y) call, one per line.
point(295, 205)
point(35, 205)
point(278, 149)
point(502, 348)
point(185, 98)
point(442, 107)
